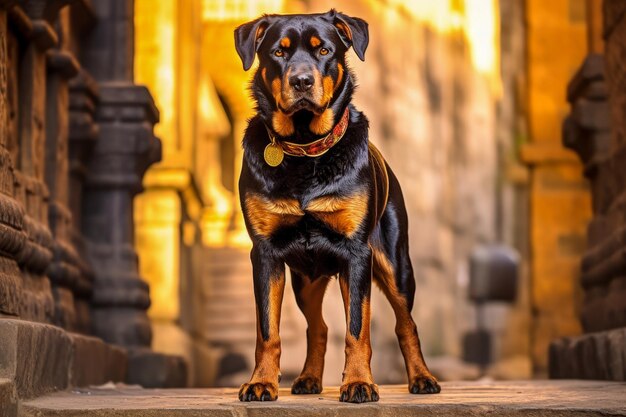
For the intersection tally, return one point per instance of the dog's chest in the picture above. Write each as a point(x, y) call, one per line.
point(343, 214)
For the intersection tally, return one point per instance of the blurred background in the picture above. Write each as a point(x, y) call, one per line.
point(465, 100)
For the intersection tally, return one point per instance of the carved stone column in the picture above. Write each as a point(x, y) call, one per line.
point(595, 130)
point(82, 136)
point(64, 271)
point(12, 238)
point(126, 146)
point(31, 190)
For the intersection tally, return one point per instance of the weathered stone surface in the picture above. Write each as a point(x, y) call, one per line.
point(600, 355)
point(8, 399)
point(599, 137)
point(34, 356)
point(95, 362)
point(533, 398)
point(39, 358)
point(153, 369)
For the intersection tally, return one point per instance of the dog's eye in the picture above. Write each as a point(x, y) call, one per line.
point(324, 51)
point(279, 53)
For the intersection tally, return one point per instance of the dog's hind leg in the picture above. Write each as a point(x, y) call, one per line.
point(309, 297)
point(398, 285)
point(269, 285)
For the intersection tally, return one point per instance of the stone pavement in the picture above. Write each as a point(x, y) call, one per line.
point(528, 398)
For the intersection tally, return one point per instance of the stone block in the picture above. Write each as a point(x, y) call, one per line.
point(10, 286)
point(616, 362)
point(95, 362)
point(156, 370)
point(35, 356)
point(600, 355)
point(8, 399)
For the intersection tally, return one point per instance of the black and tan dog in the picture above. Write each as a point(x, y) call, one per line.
point(317, 196)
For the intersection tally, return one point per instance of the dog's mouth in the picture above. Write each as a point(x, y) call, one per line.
point(302, 104)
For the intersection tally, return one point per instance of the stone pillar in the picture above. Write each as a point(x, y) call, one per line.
point(126, 146)
point(124, 150)
point(596, 130)
point(12, 239)
point(64, 271)
point(83, 132)
point(31, 190)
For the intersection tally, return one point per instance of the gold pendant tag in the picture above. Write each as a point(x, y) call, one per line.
point(273, 154)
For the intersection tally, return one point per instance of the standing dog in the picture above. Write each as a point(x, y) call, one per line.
point(317, 196)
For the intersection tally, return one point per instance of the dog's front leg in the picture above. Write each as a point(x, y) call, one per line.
point(269, 284)
point(356, 284)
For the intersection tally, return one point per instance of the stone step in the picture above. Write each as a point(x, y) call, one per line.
point(39, 358)
point(458, 399)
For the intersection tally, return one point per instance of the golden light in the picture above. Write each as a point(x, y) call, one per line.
point(239, 10)
point(482, 30)
point(155, 58)
point(477, 20)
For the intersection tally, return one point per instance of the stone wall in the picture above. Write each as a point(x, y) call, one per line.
point(596, 130)
point(76, 136)
point(38, 64)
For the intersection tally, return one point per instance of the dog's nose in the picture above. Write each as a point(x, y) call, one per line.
point(301, 82)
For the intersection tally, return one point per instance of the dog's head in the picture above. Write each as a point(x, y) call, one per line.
point(302, 69)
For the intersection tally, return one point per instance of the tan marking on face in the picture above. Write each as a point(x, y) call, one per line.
point(342, 214)
point(315, 41)
point(323, 123)
point(277, 89)
point(282, 92)
point(285, 42)
point(282, 124)
point(266, 216)
point(328, 87)
point(288, 95)
point(339, 76)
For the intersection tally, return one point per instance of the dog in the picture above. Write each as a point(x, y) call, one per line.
point(318, 197)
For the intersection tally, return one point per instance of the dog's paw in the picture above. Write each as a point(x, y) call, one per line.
point(358, 392)
point(306, 385)
point(258, 392)
point(424, 385)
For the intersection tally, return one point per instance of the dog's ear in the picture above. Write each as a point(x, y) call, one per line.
point(352, 31)
point(248, 38)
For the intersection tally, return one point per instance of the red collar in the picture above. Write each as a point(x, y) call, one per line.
point(274, 151)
